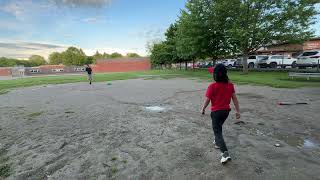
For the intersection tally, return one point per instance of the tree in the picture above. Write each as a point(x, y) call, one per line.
point(170, 42)
point(192, 33)
point(106, 55)
point(36, 60)
point(257, 23)
point(89, 60)
point(159, 54)
point(73, 56)
point(55, 58)
point(115, 55)
point(133, 55)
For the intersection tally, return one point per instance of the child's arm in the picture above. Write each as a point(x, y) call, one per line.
point(205, 105)
point(236, 105)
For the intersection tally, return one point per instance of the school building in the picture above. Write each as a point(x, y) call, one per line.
point(292, 50)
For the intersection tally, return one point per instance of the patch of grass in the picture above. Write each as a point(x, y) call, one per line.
point(125, 161)
point(3, 91)
point(69, 112)
point(114, 158)
point(5, 168)
point(34, 114)
point(114, 169)
point(273, 79)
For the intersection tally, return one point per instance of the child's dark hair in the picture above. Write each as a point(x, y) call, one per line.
point(220, 74)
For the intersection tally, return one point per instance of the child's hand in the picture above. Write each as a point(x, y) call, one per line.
point(238, 115)
point(203, 111)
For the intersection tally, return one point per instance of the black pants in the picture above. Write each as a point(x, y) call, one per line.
point(218, 118)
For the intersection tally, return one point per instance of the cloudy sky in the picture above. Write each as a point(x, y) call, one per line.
point(43, 26)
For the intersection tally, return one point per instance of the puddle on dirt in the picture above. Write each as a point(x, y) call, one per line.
point(308, 144)
point(296, 141)
point(155, 108)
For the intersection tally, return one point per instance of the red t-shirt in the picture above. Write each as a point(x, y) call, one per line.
point(211, 70)
point(220, 95)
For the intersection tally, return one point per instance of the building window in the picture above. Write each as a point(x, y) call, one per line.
point(57, 70)
point(82, 69)
point(34, 70)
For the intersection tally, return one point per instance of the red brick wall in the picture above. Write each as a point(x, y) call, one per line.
point(312, 44)
point(122, 65)
point(5, 72)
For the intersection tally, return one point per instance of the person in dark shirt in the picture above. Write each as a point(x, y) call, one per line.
point(89, 71)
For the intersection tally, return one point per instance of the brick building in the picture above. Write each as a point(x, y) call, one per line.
point(291, 49)
point(5, 71)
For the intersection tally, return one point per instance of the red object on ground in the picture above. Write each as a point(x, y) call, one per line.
point(211, 70)
point(220, 95)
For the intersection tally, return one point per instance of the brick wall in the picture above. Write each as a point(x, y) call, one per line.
point(122, 65)
point(5, 72)
point(312, 44)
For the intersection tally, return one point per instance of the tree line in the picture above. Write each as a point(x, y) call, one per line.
point(213, 29)
point(75, 56)
point(34, 60)
point(71, 56)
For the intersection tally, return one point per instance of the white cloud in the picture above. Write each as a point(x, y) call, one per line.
point(90, 20)
point(17, 8)
point(149, 33)
point(84, 3)
point(23, 50)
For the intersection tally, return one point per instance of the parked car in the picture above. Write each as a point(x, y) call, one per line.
point(275, 61)
point(252, 61)
point(308, 59)
point(228, 62)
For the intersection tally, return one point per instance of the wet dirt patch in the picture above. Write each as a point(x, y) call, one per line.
point(296, 141)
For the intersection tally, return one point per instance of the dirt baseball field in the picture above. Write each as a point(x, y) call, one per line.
point(153, 129)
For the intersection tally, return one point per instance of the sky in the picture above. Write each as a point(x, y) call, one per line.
point(43, 26)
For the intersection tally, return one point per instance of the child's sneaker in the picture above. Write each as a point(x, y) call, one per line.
point(225, 157)
point(215, 145)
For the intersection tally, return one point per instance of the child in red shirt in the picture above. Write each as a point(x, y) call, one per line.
point(220, 94)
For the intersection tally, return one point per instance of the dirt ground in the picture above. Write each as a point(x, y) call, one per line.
point(77, 131)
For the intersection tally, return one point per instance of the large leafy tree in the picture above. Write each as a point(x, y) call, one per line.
point(159, 54)
point(55, 58)
point(73, 56)
point(36, 60)
point(171, 44)
point(257, 23)
point(191, 41)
